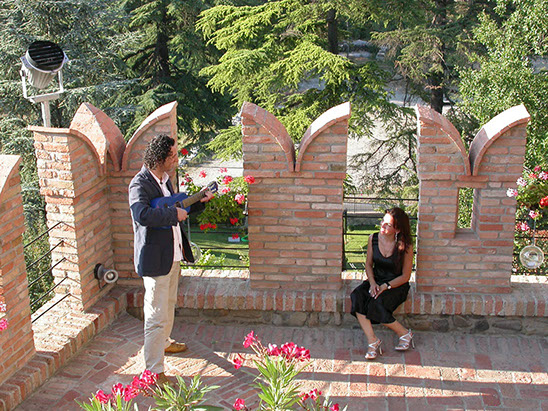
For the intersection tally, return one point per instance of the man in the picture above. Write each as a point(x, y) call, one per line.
point(159, 246)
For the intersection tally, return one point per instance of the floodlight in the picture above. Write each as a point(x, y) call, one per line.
point(41, 63)
point(108, 275)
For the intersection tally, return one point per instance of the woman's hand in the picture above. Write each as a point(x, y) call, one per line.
point(374, 289)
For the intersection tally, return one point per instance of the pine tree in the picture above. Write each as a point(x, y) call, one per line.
point(281, 56)
point(166, 57)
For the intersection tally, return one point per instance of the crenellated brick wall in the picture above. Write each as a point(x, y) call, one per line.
point(476, 259)
point(16, 342)
point(295, 207)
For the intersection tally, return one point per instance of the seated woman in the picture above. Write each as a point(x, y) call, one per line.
point(388, 268)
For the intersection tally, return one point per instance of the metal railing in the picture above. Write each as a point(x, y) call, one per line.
point(44, 278)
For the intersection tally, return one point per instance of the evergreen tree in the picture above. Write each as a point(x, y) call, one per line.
point(166, 57)
point(512, 70)
point(281, 55)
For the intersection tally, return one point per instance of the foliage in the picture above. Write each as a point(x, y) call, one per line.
point(509, 71)
point(276, 55)
point(228, 205)
point(166, 57)
point(181, 397)
point(426, 39)
point(278, 368)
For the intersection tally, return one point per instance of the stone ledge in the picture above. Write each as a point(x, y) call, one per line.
point(230, 290)
point(58, 335)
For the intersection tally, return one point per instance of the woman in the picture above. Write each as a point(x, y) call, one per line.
point(388, 268)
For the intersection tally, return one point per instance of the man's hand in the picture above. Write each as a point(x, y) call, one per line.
point(208, 196)
point(181, 214)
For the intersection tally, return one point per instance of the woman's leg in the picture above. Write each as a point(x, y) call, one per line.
point(367, 328)
point(397, 328)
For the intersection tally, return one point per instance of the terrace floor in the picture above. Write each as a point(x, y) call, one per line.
point(445, 371)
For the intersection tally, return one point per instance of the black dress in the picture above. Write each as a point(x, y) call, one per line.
point(379, 311)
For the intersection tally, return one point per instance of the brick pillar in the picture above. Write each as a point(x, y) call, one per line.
point(73, 180)
point(295, 206)
point(16, 342)
point(477, 259)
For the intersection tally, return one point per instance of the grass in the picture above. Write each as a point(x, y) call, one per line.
point(223, 252)
point(355, 245)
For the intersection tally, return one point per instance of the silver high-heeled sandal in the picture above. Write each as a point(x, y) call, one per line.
point(374, 350)
point(405, 341)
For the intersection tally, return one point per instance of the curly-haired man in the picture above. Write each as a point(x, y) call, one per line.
point(158, 251)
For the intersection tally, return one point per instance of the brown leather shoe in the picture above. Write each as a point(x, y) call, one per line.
point(163, 379)
point(175, 347)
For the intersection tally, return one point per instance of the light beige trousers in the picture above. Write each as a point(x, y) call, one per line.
point(159, 312)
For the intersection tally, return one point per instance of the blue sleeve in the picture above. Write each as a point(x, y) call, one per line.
point(143, 213)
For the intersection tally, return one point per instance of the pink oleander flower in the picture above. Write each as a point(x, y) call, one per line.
point(227, 179)
point(537, 169)
point(202, 174)
point(534, 214)
point(184, 151)
point(148, 377)
point(512, 192)
point(273, 350)
point(102, 397)
point(543, 175)
point(533, 176)
point(249, 179)
point(225, 190)
point(304, 396)
point(188, 179)
point(290, 350)
point(249, 339)
point(240, 198)
point(3, 324)
point(544, 202)
point(334, 407)
point(523, 227)
point(222, 170)
point(234, 221)
point(237, 362)
point(314, 394)
point(521, 182)
point(239, 404)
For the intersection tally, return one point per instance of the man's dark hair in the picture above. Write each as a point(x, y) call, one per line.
point(158, 150)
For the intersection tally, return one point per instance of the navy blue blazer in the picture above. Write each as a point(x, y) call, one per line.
point(154, 246)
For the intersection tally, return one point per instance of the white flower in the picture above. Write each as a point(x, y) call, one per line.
point(521, 182)
point(511, 192)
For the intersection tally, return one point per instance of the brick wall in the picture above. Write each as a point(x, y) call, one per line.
point(477, 259)
point(295, 207)
point(16, 342)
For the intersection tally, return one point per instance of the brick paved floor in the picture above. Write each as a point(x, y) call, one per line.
point(446, 371)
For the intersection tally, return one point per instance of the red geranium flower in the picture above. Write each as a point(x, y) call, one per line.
point(184, 151)
point(249, 179)
point(227, 179)
point(233, 221)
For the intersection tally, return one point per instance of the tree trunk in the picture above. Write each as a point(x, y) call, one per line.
point(435, 79)
point(161, 52)
point(332, 32)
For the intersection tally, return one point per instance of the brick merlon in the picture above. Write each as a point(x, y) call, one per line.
point(334, 115)
point(274, 128)
point(427, 117)
point(9, 165)
point(103, 132)
point(166, 111)
point(491, 131)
